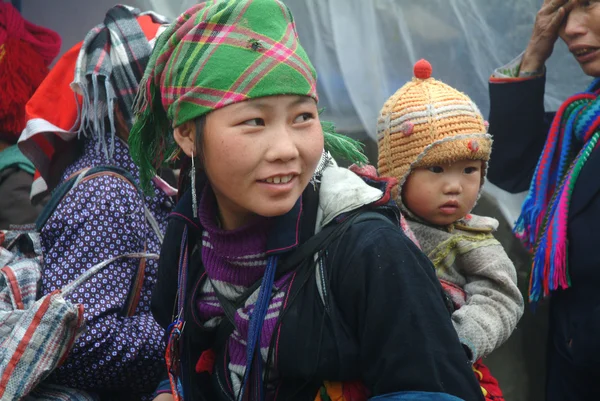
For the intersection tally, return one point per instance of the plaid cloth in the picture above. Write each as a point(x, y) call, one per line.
point(55, 116)
point(215, 54)
point(109, 67)
point(36, 335)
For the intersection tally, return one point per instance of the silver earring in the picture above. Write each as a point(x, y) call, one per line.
point(194, 198)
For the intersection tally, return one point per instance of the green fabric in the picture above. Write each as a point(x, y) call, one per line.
point(12, 156)
point(215, 54)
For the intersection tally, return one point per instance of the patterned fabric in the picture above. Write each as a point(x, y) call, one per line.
point(234, 260)
point(35, 334)
point(542, 225)
point(426, 123)
point(49, 137)
point(26, 52)
point(471, 258)
point(489, 385)
point(511, 72)
point(215, 54)
point(99, 219)
point(110, 65)
point(347, 391)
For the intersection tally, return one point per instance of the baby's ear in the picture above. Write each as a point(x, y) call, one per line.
point(185, 137)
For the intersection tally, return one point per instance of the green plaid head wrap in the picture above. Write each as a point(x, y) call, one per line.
point(215, 54)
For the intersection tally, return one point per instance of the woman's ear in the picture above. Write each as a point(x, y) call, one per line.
point(185, 136)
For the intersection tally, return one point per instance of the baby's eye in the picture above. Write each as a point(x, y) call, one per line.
point(255, 122)
point(304, 117)
point(471, 170)
point(436, 169)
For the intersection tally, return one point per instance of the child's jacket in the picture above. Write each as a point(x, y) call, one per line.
point(468, 255)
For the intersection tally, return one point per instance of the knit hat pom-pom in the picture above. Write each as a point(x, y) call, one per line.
point(422, 69)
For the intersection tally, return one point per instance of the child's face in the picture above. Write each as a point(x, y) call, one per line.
point(443, 194)
point(259, 155)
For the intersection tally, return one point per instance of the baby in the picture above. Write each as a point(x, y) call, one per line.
point(434, 141)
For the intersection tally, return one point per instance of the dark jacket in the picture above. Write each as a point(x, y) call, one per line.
point(383, 320)
point(520, 125)
point(16, 177)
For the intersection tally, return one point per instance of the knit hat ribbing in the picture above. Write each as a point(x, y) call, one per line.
point(427, 122)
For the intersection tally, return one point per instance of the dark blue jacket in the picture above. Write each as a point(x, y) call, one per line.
point(520, 125)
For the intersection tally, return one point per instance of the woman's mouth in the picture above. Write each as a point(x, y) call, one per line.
point(279, 179)
point(584, 54)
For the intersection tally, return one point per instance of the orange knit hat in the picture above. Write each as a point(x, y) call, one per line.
point(427, 122)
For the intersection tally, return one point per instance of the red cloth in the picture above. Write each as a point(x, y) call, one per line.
point(26, 51)
point(489, 384)
point(43, 41)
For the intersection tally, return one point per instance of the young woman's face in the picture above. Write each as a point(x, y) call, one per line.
point(259, 155)
point(443, 194)
point(581, 33)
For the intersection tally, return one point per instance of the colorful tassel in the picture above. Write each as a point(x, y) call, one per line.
point(542, 225)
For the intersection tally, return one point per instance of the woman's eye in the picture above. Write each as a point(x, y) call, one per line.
point(436, 169)
point(471, 170)
point(255, 122)
point(304, 117)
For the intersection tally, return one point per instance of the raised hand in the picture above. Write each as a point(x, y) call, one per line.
point(545, 33)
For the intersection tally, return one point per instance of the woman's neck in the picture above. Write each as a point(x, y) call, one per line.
point(220, 213)
point(229, 216)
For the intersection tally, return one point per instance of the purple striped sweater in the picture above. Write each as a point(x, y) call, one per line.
point(234, 260)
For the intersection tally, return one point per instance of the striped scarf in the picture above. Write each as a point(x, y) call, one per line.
point(542, 225)
point(234, 260)
point(109, 67)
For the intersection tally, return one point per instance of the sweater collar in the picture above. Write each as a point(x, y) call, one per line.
point(283, 236)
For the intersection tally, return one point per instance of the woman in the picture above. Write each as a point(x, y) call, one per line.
point(120, 354)
point(560, 216)
point(237, 288)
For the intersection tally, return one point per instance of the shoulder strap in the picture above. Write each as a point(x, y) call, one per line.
point(72, 181)
point(320, 266)
point(90, 173)
point(305, 252)
point(87, 174)
point(96, 268)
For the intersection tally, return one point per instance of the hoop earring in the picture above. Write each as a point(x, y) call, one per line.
point(194, 198)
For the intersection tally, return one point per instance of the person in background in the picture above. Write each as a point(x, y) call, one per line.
point(554, 155)
point(26, 52)
point(120, 355)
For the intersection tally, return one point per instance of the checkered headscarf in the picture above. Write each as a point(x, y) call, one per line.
point(55, 117)
point(215, 54)
point(110, 65)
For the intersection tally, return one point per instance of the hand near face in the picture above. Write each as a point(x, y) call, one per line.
point(548, 21)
